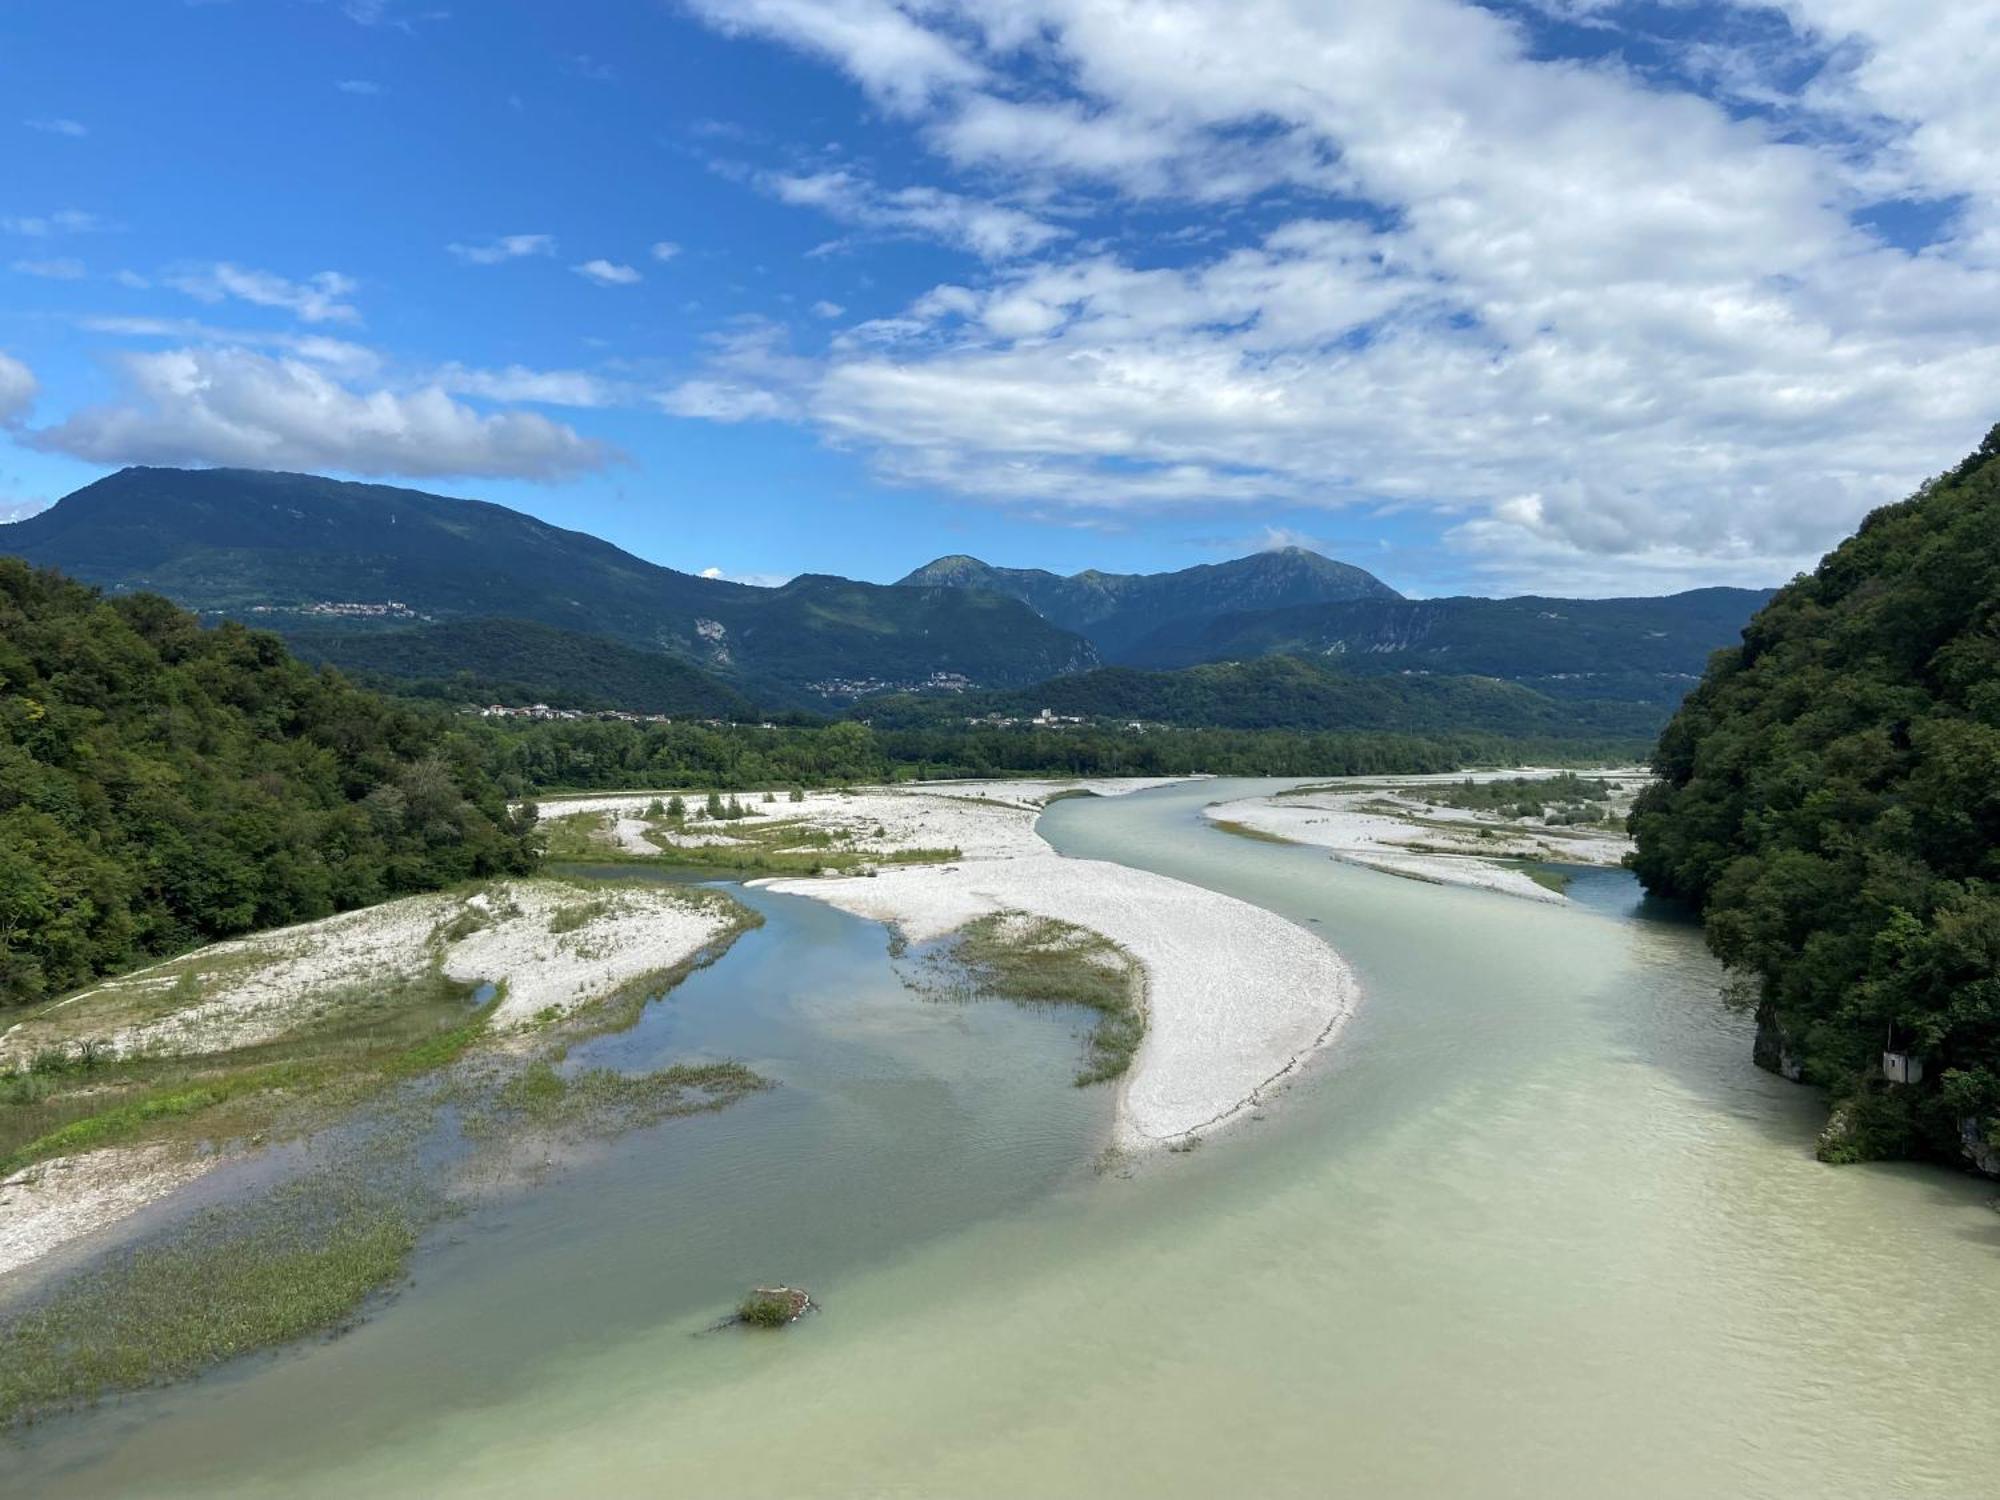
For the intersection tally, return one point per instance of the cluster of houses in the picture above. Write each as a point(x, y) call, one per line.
point(1044, 719)
point(543, 711)
point(625, 716)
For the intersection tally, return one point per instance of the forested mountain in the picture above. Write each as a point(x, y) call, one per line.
point(1294, 693)
point(1644, 649)
point(297, 552)
point(1116, 610)
point(162, 784)
point(518, 662)
point(1830, 799)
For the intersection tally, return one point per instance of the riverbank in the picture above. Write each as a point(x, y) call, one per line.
point(1470, 829)
point(124, 1093)
point(1236, 998)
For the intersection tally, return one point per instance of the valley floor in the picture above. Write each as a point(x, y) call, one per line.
point(1235, 997)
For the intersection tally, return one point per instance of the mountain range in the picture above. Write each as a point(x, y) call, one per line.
point(299, 553)
point(466, 599)
point(1292, 602)
point(1118, 611)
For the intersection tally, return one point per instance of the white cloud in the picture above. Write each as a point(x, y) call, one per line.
point(825, 309)
point(506, 247)
point(723, 401)
point(20, 510)
point(992, 231)
point(232, 406)
point(317, 299)
point(607, 273)
point(72, 128)
point(751, 375)
point(18, 389)
point(63, 221)
point(347, 360)
point(1592, 319)
point(665, 250)
point(886, 50)
point(360, 86)
point(537, 387)
point(390, 13)
point(64, 268)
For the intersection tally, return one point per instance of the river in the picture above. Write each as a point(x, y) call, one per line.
point(1536, 1228)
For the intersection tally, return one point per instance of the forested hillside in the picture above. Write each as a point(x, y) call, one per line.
point(162, 784)
point(610, 755)
point(1287, 692)
point(518, 661)
point(1642, 649)
point(1830, 798)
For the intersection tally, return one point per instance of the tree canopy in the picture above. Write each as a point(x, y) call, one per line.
point(163, 785)
point(1830, 799)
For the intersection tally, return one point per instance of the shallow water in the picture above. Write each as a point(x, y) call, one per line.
point(1537, 1228)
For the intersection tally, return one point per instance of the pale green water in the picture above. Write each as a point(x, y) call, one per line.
point(1538, 1229)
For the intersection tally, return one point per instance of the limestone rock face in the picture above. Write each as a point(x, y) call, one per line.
point(1976, 1136)
point(1773, 1050)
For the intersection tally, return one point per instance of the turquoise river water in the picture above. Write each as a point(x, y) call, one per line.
point(1534, 1228)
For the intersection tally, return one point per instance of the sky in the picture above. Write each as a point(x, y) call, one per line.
point(1562, 296)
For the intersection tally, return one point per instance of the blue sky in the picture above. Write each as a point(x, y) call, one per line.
point(1570, 296)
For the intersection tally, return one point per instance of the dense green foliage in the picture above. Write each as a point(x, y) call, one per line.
point(1641, 650)
point(1830, 798)
point(1114, 611)
point(1289, 692)
point(518, 662)
point(615, 756)
point(162, 784)
point(268, 547)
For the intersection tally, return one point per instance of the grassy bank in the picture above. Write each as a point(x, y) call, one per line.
point(68, 1101)
point(231, 1281)
point(305, 1256)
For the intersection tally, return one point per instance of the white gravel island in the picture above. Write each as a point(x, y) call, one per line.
point(1235, 996)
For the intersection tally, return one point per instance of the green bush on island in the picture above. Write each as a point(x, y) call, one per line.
point(765, 1310)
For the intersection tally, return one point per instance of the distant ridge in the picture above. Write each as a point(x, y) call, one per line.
point(1116, 610)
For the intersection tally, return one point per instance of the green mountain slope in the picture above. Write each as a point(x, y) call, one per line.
point(270, 547)
point(1644, 650)
point(1116, 610)
point(518, 662)
point(162, 784)
point(1830, 799)
point(1282, 692)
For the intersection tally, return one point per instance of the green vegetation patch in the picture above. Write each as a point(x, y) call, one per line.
point(757, 843)
point(1245, 831)
point(232, 1280)
point(1042, 961)
point(594, 1103)
point(368, 1038)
